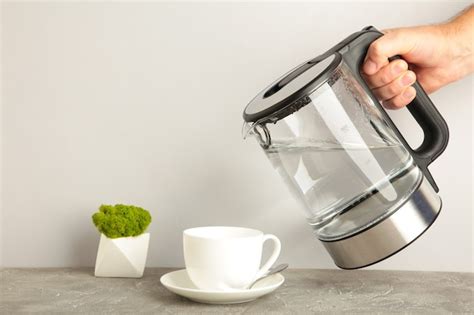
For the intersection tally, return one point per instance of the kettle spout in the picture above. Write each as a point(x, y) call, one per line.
point(251, 129)
point(247, 128)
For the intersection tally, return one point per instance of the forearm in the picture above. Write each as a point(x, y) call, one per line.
point(460, 32)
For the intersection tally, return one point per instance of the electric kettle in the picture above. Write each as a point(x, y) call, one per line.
point(366, 193)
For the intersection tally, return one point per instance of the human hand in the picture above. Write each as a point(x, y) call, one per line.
point(435, 55)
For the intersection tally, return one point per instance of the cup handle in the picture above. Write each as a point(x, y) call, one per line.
point(273, 257)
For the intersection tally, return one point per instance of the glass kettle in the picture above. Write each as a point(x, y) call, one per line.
point(366, 193)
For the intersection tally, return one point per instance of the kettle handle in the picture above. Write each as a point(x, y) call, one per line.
point(435, 129)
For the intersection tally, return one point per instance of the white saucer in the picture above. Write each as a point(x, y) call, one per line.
point(179, 283)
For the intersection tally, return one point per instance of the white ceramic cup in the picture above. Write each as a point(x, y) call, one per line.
point(220, 258)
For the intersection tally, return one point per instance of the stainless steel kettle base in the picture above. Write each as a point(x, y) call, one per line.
point(390, 235)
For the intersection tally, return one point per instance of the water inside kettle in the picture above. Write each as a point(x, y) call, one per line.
point(332, 179)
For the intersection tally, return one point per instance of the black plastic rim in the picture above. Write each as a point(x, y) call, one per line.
point(322, 77)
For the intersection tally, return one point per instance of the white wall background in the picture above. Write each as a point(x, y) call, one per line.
point(141, 104)
point(1, 139)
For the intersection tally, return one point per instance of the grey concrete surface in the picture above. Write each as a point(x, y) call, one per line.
point(304, 291)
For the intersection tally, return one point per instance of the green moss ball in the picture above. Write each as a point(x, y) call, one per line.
point(121, 220)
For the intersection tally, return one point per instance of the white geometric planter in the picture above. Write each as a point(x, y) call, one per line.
point(122, 257)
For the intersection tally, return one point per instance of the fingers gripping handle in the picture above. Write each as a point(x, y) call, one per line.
point(276, 252)
point(434, 127)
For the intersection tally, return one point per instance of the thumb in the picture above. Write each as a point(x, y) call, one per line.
point(393, 42)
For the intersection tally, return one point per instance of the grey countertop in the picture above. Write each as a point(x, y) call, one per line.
point(304, 291)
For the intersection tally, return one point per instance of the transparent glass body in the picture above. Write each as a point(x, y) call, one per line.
point(339, 158)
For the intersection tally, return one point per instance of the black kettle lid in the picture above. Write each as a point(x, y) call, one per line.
point(290, 92)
